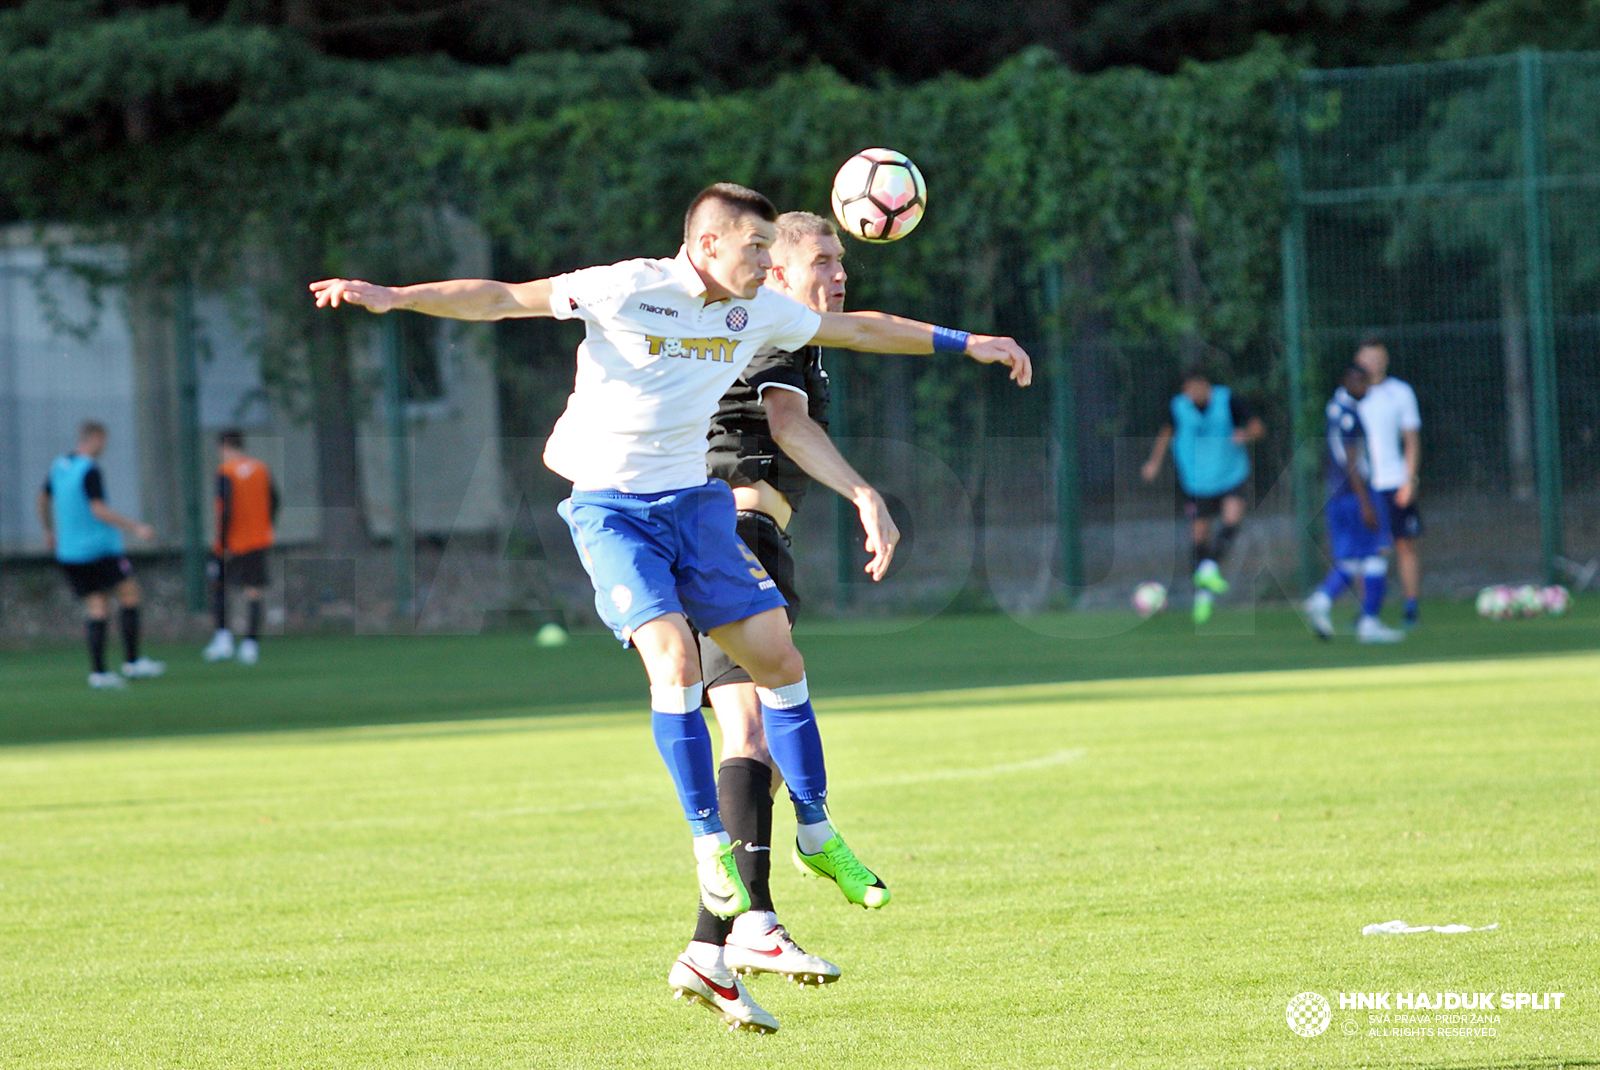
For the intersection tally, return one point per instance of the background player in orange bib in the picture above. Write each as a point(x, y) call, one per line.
point(247, 504)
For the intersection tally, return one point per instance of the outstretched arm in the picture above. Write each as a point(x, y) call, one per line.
point(457, 299)
point(878, 332)
point(808, 445)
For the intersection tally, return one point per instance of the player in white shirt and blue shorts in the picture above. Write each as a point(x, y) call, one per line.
point(1394, 435)
point(665, 340)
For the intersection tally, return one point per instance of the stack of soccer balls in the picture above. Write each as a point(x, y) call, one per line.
point(1506, 603)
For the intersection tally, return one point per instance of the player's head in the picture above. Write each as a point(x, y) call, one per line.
point(230, 441)
point(91, 438)
point(1373, 355)
point(808, 261)
point(1197, 385)
point(1355, 381)
point(728, 231)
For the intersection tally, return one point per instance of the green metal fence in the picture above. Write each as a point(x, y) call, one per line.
point(1452, 208)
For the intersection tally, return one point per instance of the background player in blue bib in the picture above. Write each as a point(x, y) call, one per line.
point(85, 536)
point(1208, 428)
point(1358, 519)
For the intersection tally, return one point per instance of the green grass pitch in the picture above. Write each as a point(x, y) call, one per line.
point(1116, 869)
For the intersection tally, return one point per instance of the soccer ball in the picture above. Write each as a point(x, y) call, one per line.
point(1556, 599)
point(550, 635)
point(879, 195)
point(1494, 603)
point(1527, 601)
point(1149, 599)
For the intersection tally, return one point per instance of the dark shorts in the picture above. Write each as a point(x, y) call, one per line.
point(1404, 519)
point(241, 570)
point(761, 534)
point(1210, 507)
point(97, 576)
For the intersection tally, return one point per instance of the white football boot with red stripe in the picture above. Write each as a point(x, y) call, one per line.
point(720, 989)
point(758, 944)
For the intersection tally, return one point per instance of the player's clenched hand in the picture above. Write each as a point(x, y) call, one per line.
point(331, 293)
point(988, 349)
point(882, 535)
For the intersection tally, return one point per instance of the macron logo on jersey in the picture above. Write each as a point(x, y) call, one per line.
point(717, 349)
point(657, 310)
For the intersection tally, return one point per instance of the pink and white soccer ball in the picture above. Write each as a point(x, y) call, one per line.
point(1149, 599)
point(879, 195)
point(1527, 601)
point(1495, 603)
point(1556, 599)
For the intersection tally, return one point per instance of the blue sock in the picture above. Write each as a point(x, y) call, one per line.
point(1374, 598)
point(685, 745)
point(1334, 583)
point(1411, 609)
point(796, 746)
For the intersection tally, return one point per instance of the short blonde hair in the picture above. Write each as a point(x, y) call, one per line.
point(793, 226)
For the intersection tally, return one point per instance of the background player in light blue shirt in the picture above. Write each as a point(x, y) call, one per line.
point(86, 537)
point(1358, 519)
point(1208, 428)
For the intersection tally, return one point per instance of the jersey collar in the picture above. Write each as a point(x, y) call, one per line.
point(685, 273)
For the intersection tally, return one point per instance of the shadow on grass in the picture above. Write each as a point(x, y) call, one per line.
point(343, 681)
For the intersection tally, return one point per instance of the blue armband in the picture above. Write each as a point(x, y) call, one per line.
point(947, 341)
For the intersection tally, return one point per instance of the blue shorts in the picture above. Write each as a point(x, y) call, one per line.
point(672, 552)
point(1351, 539)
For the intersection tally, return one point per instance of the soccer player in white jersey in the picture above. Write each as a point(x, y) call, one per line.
point(665, 339)
point(769, 440)
point(1394, 435)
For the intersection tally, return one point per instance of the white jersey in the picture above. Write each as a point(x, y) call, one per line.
point(1389, 408)
point(654, 363)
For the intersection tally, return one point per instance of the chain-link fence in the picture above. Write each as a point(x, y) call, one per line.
point(1451, 208)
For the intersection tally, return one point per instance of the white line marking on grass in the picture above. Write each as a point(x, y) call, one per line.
point(1060, 757)
point(571, 808)
point(1392, 928)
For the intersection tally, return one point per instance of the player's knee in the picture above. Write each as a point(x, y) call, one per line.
point(790, 665)
point(128, 593)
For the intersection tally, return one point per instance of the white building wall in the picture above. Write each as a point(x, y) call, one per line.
point(64, 358)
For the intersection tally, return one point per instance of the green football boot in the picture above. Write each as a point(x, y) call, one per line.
point(837, 863)
point(1209, 577)
point(721, 888)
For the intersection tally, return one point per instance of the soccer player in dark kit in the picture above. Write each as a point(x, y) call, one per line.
point(768, 440)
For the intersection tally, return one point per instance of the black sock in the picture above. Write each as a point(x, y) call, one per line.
point(255, 619)
point(1202, 552)
point(219, 604)
point(744, 798)
point(1224, 541)
point(129, 620)
point(97, 645)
